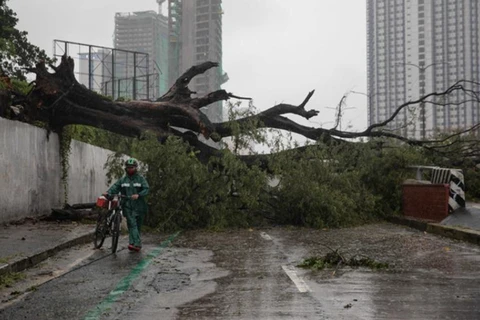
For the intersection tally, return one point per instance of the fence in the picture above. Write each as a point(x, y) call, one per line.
point(112, 72)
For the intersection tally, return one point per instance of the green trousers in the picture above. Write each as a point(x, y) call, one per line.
point(134, 223)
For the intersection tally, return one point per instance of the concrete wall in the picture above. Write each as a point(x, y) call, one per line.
point(86, 176)
point(30, 171)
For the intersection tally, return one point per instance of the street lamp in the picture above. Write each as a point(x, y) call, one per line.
point(422, 70)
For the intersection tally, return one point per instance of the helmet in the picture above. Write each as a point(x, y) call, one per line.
point(131, 163)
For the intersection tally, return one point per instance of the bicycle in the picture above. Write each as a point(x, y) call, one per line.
point(108, 224)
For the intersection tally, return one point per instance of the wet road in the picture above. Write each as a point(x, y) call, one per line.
point(251, 274)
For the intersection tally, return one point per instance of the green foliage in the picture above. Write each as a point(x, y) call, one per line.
point(313, 192)
point(314, 263)
point(32, 289)
point(20, 86)
point(471, 174)
point(334, 259)
point(452, 156)
point(65, 136)
point(340, 186)
point(323, 187)
point(185, 193)
point(101, 138)
point(115, 167)
point(3, 83)
point(8, 279)
point(244, 134)
point(123, 99)
point(16, 53)
point(382, 169)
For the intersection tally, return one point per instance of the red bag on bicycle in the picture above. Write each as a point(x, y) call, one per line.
point(102, 202)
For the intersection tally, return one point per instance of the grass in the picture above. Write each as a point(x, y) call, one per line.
point(8, 258)
point(32, 289)
point(8, 279)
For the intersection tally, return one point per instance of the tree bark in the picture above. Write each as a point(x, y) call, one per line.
point(59, 100)
point(4, 103)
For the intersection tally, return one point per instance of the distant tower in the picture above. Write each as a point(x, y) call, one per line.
point(195, 29)
point(147, 32)
point(420, 46)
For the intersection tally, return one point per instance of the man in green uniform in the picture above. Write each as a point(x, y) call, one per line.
point(134, 206)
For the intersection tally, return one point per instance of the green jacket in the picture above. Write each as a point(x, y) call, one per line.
point(128, 186)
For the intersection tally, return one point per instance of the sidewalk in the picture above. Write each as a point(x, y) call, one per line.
point(463, 224)
point(25, 245)
point(468, 217)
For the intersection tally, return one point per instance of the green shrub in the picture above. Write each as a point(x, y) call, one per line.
point(342, 186)
point(185, 193)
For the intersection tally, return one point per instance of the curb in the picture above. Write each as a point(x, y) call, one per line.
point(457, 233)
point(23, 263)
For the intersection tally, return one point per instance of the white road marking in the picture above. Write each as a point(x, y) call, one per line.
point(292, 274)
point(265, 236)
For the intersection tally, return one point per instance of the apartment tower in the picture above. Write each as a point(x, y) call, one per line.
point(195, 29)
point(416, 47)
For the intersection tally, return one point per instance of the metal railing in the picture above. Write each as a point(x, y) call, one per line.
point(111, 72)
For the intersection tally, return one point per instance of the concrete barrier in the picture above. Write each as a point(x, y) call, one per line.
point(457, 233)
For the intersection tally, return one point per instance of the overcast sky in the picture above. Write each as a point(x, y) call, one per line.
point(273, 50)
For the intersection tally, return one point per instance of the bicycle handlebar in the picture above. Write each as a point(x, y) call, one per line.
point(110, 197)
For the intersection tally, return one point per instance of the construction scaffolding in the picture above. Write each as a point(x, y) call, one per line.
point(120, 74)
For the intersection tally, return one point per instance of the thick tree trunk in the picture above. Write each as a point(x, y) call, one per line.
point(60, 100)
point(71, 215)
point(4, 103)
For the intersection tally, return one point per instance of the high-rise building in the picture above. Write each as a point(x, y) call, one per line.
point(416, 47)
point(195, 29)
point(145, 32)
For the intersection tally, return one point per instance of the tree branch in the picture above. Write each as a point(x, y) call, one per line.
point(180, 92)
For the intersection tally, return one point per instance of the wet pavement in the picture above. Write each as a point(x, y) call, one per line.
point(468, 217)
point(30, 237)
point(429, 278)
point(25, 244)
point(252, 274)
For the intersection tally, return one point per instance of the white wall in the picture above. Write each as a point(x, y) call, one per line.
point(30, 171)
point(86, 176)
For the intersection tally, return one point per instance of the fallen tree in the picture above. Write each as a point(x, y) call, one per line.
point(59, 100)
point(330, 182)
point(350, 184)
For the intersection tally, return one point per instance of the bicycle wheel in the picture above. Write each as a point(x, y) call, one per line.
point(100, 230)
point(117, 219)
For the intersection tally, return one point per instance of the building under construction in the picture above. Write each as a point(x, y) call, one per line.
point(145, 31)
point(195, 36)
point(190, 35)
